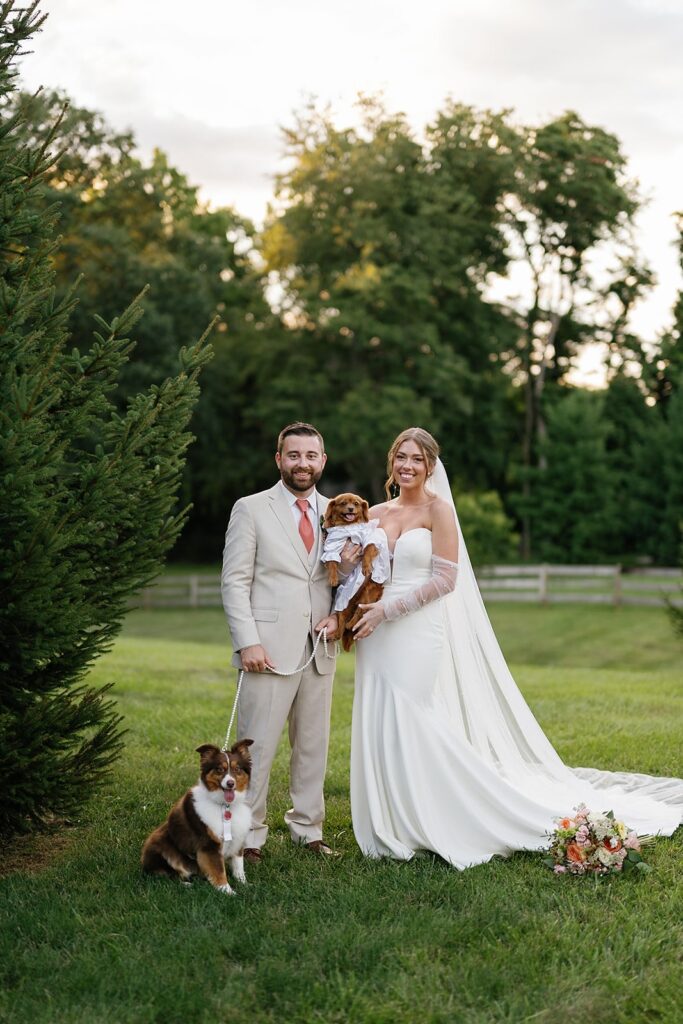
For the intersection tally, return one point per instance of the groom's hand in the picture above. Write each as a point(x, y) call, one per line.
point(331, 624)
point(350, 556)
point(255, 659)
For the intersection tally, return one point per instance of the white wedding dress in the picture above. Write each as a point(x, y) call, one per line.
point(446, 756)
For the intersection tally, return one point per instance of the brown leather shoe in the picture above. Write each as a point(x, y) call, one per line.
point(318, 846)
point(252, 855)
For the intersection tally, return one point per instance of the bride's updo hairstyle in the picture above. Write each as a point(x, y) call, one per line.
point(428, 445)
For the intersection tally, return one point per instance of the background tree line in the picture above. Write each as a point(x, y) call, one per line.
point(370, 301)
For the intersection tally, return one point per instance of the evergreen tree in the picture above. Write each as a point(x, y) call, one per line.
point(630, 426)
point(87, 497)
point(572, 502)
point(671, 452)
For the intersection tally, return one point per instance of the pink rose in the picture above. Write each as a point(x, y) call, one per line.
point(632, 842)
point(559, 869)
point(583, 836)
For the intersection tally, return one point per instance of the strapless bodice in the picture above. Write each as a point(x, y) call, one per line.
point(412, 559)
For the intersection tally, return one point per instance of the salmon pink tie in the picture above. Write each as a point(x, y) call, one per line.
point(305, 528)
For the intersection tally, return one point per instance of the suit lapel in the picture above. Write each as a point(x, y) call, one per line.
point(318, 566)
point(286, 520)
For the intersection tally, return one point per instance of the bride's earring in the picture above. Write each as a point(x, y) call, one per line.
point(394, 489)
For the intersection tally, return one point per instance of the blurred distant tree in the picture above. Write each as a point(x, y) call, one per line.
point(664, 375)
point(380, 263)
point(627, 282)
point(662, 367)
point(569, 198)
point(642, 413)
point(470, 163)
point(124, 220)
point(630, 427)
point(489, 533)
point(671, 455)
point(383, 254)
point(572, 505)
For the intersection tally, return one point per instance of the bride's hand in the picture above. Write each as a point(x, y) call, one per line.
point(373, 615)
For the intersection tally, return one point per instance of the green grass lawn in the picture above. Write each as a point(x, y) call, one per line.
point(85, 938)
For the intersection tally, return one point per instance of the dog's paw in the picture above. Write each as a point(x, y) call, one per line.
point(240, 877)
point(227, 889)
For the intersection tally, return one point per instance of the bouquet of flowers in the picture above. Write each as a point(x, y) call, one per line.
point(593, 843)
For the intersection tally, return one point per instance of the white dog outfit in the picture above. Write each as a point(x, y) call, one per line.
point(363, 534)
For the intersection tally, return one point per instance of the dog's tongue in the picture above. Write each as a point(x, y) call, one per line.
point(229, 795)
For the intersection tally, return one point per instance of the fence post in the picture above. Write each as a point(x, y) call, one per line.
point(617, 585)
point(194, 591)
point(543, 584)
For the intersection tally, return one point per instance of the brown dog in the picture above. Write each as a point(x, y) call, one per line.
point(345, 510)
point(209, 824)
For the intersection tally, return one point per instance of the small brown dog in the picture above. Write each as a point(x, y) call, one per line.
point(347, 510)
point(208, 825)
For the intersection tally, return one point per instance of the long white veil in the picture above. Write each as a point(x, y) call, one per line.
point(487, 710)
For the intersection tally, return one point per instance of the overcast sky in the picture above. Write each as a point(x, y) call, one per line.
point(212, 81)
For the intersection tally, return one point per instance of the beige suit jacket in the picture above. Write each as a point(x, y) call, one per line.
point(273, 591)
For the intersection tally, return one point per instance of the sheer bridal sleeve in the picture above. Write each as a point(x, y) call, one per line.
point(441, 582)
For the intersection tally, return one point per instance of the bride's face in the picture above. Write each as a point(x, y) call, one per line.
point(410, 467)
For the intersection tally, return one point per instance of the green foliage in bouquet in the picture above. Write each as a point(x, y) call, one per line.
point(87, 492)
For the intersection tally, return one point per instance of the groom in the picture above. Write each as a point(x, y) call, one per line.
point(276, 597)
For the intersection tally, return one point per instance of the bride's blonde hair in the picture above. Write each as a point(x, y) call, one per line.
point(428, 445)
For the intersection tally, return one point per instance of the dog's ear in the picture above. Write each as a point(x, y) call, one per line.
point(365, 509)
point(207, 749)
point(241, 748)
point(329, 512)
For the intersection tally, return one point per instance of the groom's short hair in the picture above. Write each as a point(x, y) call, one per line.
point(299, 428)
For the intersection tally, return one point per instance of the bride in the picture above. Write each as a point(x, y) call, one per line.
point(445, 754)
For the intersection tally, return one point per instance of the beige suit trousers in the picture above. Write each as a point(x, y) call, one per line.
point(266, 703)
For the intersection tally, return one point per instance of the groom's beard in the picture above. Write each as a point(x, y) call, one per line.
point(300, 480)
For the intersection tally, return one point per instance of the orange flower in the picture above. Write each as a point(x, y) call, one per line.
point(575, 853)
point(567, 823)
point(612, 844)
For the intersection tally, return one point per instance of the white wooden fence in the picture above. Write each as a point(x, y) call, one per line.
point(545, 584)
point(581, 584)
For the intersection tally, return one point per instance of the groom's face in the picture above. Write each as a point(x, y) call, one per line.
point(301, 462)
